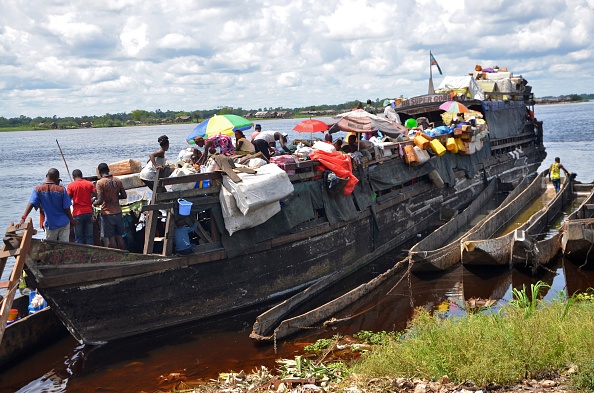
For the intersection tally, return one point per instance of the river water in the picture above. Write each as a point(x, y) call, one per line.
point(203, 350)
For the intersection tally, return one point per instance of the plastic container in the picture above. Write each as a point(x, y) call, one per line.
point(202, 184)
point(437, 147)
point(13, 314)
point(410, 157)
point(421, 141)
point(451, 145)
point(422, 155)
point(184, 207)
point(33, 309)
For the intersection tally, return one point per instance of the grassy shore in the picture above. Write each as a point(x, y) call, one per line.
point(525, 341)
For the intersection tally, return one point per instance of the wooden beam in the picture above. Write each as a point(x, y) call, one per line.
point(191, 178)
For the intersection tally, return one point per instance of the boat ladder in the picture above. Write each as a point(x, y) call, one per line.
point(16, 243)
point(153, 216)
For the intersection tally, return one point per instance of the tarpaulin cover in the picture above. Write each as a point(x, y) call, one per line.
point(505, 118)
point(393, 173)
point(338, 163)
point(461, 85)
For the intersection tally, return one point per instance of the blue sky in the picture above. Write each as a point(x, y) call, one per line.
point(77, 57)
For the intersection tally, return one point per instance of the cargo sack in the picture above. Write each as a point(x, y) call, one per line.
point(437, 147)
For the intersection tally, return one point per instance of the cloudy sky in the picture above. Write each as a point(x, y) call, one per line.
point(78, 57)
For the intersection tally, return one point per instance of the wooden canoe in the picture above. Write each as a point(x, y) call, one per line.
point(30, 333)
point(527, 250)
point(432, 253)
point(480, 248)
point(577, 233)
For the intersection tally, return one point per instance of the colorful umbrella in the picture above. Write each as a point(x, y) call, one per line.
point(453, 107)
point(219, 124)
point(311, 126)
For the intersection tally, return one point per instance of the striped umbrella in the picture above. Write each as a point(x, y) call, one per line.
point(453, 107)
point(219, 124)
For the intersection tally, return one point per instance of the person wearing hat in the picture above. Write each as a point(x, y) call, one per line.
point(109, 192)
point(390, 112)
point(265, 138)
point(53, 200)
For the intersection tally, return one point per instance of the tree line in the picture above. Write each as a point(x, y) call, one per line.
point(141, 116)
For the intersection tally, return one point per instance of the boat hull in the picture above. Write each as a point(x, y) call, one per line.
point(29, 334)
point(479, 248)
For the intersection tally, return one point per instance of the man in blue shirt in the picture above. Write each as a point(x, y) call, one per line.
point(55, 203)
point(181, 237)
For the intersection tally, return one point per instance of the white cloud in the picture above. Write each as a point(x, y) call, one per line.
point(80, 58)
point(134, 36)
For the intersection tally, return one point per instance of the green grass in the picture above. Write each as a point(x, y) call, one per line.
point(523, 340)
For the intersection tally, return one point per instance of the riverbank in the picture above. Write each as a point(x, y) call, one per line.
point(529, 345)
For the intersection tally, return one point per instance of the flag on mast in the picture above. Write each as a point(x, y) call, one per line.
point(433, 62)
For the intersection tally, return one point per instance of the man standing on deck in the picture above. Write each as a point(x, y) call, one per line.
point(81, 191)
point(53, 199)
point(555, 173)
point(109, 191)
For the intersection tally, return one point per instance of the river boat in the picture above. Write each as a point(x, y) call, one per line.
point(102, 294)
point(480, 247)
point(577, 233)
point(529, 249)
point(441, 250)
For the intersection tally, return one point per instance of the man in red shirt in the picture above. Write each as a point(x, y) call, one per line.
point(109, 192)
point(81, 191)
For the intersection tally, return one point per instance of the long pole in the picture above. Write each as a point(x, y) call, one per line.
point(64, 158)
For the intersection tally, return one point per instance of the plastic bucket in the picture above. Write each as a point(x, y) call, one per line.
point(184, 207)
point(13, 314)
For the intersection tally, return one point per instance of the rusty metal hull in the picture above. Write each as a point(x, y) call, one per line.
point(479, 248)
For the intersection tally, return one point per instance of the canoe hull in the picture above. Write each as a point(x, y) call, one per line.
point(29, 334)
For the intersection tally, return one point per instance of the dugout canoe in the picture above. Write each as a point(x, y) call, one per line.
point(430, 254)
point(481, 248)
point(577, 233)
point(530, 250)
point(29, 334)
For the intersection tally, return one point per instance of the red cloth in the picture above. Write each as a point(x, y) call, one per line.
point(338, 163)
point(80, 192)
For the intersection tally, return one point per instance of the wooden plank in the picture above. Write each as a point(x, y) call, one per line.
point(185, 194)
point(151, 219)
point(169, 228)
point(15, 275)
point(159, 206)
point(9, 253)
point(191, 178)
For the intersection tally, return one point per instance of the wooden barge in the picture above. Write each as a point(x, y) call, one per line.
point(104, 294)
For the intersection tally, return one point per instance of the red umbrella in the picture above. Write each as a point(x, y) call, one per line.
point(311, 126)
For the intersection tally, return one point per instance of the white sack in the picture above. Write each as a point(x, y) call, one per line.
point(184, 171)
point(234, 218)
point(269, 184)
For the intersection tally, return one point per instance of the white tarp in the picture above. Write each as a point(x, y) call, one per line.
point(235, 220)
point(462, 82)
point(269, 184)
